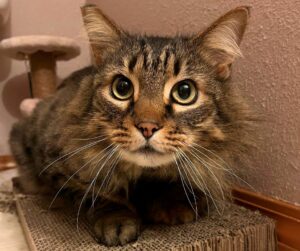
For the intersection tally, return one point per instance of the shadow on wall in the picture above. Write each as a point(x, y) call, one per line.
point(14, 91)
point(5, 62)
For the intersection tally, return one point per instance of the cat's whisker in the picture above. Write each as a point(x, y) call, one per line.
point(71, 154)
point(113, 166)
point(190, 185)
point(218, 165)
point(228, 169)
point(97, 163)
point(107, 180)
point(183, 184)
point(195, 146)
point(192, 165)
point(211, 152)
point(108, 158)
point(96, 137)
point(232, 173)
point(209, 166)
point(188, 168)
point(65, 183)
point(210, 171)
point(93, 168)
point(182, 164)
point(81, 202)
point(198, 175)
point(99, 170)
point(87, 191)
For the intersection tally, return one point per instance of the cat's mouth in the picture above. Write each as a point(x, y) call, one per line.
point(147, 156)
point(148, 149)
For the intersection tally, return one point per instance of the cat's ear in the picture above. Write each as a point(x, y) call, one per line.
point(219, 44)
point(103, 33)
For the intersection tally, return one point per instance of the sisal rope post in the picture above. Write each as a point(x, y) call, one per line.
point(43, 74)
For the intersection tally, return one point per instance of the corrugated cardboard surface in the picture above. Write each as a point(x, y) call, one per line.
point(236, 229)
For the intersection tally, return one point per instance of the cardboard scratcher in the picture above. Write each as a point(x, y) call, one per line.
point(238, 229)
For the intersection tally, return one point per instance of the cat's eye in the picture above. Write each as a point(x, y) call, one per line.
point(184, 92)
point(122, 88)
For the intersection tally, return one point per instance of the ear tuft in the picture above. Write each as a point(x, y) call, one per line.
point(219, 44)
point(104, 35)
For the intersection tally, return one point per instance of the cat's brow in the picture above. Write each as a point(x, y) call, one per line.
point(132, 63)
point(145, 56)
point(177, 66)
point(167, 56)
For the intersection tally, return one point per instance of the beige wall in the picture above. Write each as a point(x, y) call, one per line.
point(268, 73)
point(35, 17)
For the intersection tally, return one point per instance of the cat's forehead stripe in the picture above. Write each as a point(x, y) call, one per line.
point(132, 63)
point(166, 54)
point(146, 59)
point(177, 66)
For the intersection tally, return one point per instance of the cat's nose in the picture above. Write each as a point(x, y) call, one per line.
point(148, 128)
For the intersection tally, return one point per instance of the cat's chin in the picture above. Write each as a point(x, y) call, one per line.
point(144, 159)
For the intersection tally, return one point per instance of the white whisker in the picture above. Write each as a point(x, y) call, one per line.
point(86, 139)
point(199, 184)
point(94, 181)
point(190, 185)
point(72, 154)
point(90, 186)
point(228, 169)
point(183, 182)
point(77, 171)
point(108, 177)
point(108, 158)
point(210, 171)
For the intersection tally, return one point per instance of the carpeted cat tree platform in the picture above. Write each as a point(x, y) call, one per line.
point(238, 229)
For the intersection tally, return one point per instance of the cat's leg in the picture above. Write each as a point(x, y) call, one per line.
point(28, 183)
point(173, 212)
point(28, 105)
point(114, 224)
point(168, 204)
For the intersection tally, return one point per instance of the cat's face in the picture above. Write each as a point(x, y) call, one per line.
point(157, 96)
point(159, 92)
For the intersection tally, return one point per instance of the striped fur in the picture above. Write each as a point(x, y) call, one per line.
point(83, 141)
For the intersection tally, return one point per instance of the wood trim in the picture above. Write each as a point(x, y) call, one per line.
point(7, 162)
point(287, 216)
point(283, 247)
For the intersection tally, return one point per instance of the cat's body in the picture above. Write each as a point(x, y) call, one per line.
point(145, 133)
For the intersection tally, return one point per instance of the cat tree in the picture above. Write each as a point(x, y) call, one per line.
point(42, 52)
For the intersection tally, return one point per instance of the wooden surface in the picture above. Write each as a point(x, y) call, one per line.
point(286, 215)
point(7, 162)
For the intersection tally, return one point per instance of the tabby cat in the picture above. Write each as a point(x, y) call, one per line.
point(146, 134)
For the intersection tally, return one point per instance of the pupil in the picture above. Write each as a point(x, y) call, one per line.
point(123, 87)
point(184, 91)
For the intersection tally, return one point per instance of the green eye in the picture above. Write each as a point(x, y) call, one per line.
point(122, 88)
point(184, 92)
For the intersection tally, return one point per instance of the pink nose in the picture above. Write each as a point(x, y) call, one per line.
point(148, 128)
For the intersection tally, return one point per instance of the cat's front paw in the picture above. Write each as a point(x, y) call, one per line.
point(172, 214)
point(117, 228)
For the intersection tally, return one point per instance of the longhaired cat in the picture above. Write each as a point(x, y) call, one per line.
point(146, 134)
